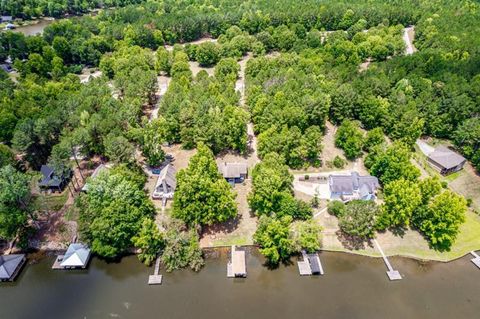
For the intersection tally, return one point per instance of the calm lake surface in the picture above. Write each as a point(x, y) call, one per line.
point(34, 28)
point(352, 287)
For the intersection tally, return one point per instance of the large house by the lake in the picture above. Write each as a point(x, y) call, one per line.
point(353, 186)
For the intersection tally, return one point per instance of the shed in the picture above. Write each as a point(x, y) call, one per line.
point(445, 160)
point(7, 18)
point(234, 172)
point(10, 266)
point(166, 183)
point(77, 256)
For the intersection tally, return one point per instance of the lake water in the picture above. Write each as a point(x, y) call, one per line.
point(352, 287)
point(34, 28)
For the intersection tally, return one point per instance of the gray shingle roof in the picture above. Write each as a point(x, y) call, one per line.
point(233, 170)
point(8, 265)
point(446, 157)
point(346, 184)
point(167, 174)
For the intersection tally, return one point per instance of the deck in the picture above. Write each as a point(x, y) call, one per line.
point(236, 267)
point(155, 279)
point(391, 273)
point(57, 264)
point(304, 266)
point(476, 259)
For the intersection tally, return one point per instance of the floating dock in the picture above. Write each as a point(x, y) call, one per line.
point(476, 259)
point(310, 265)
point(155, 279)
point(58, 261)
point(236, 267)
point(391, 273)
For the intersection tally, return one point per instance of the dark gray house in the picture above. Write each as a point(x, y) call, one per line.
point(51, 181)
point(10, 266)
point(445, 160)
point(353, 186)
point(234, 172)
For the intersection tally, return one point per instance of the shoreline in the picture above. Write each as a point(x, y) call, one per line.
point(38, 254)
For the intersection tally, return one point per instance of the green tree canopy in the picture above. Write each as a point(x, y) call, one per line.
point(202, 195)
point(274, 238)
point(349, 137)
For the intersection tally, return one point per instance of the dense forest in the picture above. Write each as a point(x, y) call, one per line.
point(305, 71)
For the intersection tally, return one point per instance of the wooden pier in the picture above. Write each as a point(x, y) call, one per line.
point(155, 279)
point(58, 261)
point(236, 267)
point(476, 259)
point(310, 265)
point(391, 273)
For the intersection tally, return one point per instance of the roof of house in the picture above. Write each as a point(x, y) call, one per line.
point(446, 157)
point(48, 177)
point(7, 18)
point(77, 255)
point(348, 183)
point(167, 174)
point(233, 170)
point(9, 264)
point(95, 173)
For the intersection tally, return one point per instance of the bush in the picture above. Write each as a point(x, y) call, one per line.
point(336, 208)
point(339, 162)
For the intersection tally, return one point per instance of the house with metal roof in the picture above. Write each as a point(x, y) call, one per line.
point(51, 181)
point(446, 161)
point(10, 266)
point(353, 186)
point(76, 256)
point(166, 183)
point(234, 172)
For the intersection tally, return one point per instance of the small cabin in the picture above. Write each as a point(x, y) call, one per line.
point(51, 181)
point(166, 183)
point(234, 172)
point(10, 266)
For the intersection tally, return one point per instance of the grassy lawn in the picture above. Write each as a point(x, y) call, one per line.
point(239, 240)
point(52, 202)
point(411, 244)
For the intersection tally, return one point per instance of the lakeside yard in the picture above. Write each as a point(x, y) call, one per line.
point(411, 244)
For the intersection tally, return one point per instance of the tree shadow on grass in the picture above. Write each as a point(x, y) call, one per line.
point(353, 242)
point(222, 228)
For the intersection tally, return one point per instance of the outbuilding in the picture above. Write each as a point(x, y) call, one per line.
point(446, 161)
point(10, 266)
point(76, 256)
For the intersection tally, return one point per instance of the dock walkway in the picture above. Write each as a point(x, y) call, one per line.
point(236, 267)
point(476, 259)
point(391, 273)
point(155, 279)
